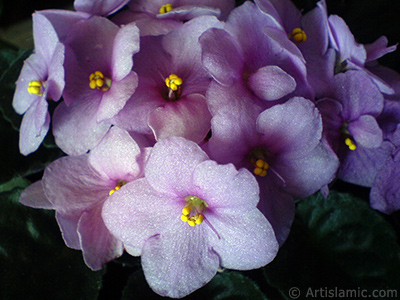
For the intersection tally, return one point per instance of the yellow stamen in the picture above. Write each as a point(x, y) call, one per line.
point(98, 81)
point(35, 87)
point(192, 213)
point(186, 210)
point(298, 35)
point(261, 168)
point(165, 8)
point(173, 82)
point(199, 220)
point(117, 187)
point(349, 142)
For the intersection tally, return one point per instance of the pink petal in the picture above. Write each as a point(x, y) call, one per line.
point(33, 196)
point(99, 246)
point(116, 156)
point(246, 239)
point(175, 266)
point(223, 186)
point(170, 165)
point(271, 83)
point(188, 117)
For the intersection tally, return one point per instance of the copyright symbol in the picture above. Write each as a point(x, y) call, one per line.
point(294, 293)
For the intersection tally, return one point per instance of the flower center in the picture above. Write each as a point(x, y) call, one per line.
point(165, 8)
point(35, 87)
point(192, 213)
point(117, 187)
point(258, 158)
point(298, 35)
point(99, 81)
point(350, 143)
point(174, 83)
point(348, 138)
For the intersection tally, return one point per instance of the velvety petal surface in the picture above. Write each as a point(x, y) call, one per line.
point(188, 117)
point(99, 7)
point(271, 83)
point(76, 129)
point(69, 228)
point(221, 56)
point(33, 196)
point(71, 185)
point(126, 44)
point(293, 128)
point(171, 163)
point(276, 205)
point(148, 24)
point(366, 132)
point(222, 186)
point(378, 48)
point(44, 36)
point(362, 165)
point(358, 94)
point(113, 100)
point(347, 47)
point(246, 239)
point(126, 214)
point(99, 246)
point(233, 124)
point(175, 267)
point(385, 191)
point(55, 81)
point(116, 156)
point(306, 175)
point(34, 69)
point(188, 12)
point(34, 127)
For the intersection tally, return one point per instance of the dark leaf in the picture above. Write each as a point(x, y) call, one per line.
point(228, 285)
point(35, 263)
point(339, 242)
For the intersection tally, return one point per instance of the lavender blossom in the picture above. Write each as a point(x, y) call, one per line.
point(99, 81)
point(169, 100)
point(265, 61)
point(188, 217)
point(41, 79)
point(76, 187)
point(350, 125)
point(157, 17)
point(351, 55)
point(281, 145)
point(99, 7)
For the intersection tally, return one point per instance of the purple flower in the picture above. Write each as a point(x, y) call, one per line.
point(169, 100)
point(188, 217)
point(281, 145)
point(349, 116)
point(265, 61)
point(157, 17)
point(99, 81)
point(99, 7)
point(351, 55)
point(41, 78)
point(385, 190)
point(76, 187)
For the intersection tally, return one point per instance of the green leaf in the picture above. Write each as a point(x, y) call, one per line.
point(16, 182)
point(35, 262)
point(339, 242)
point(228, 285)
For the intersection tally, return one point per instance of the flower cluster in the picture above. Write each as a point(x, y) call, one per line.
point(191, 127)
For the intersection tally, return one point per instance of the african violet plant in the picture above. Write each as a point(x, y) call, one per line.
point(198, 134)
